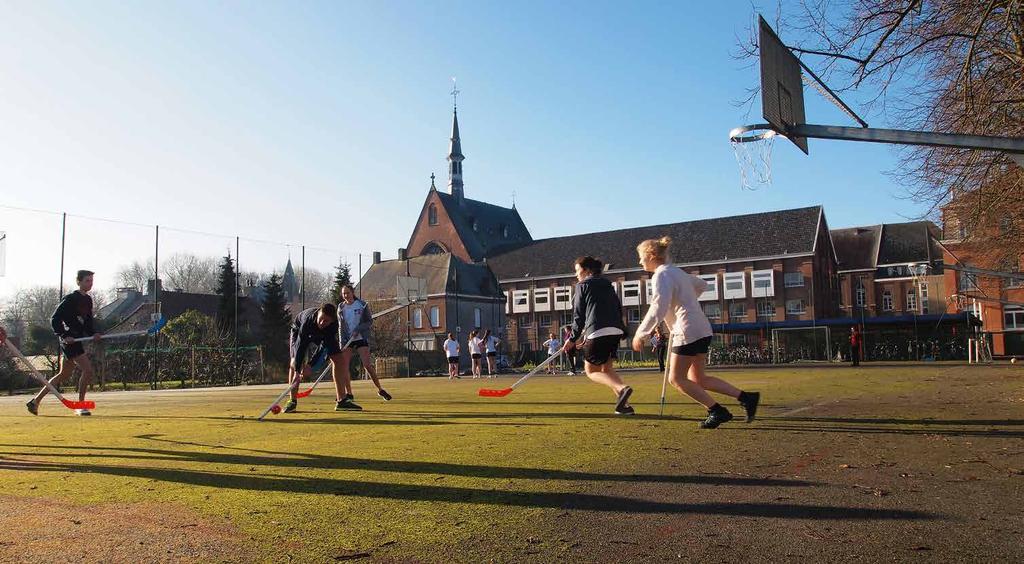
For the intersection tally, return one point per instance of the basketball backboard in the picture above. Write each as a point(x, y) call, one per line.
point(782, 90)
point(410, 289)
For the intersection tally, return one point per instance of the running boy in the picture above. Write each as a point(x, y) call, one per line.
point(597, 316)
point(316, 326)
point(451, 350)
point(71, 320)
point(354, 325)
point(674, 300)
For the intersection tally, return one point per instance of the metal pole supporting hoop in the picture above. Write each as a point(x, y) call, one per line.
point(754, 154)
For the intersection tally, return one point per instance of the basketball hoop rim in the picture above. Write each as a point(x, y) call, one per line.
point(765, 131)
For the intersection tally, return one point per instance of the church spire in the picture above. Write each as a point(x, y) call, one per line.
point(455, 156)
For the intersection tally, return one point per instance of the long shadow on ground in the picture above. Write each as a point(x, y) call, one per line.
point(433, 493)
point(272, 459)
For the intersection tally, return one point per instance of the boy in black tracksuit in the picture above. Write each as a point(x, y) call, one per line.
point(72, 320)
point(317, 326)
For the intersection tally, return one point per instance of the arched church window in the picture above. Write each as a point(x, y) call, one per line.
point(432, 214)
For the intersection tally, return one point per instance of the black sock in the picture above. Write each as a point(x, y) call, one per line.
point(714, 408)
point(743, 397)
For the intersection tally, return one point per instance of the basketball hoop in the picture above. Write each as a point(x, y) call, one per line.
point(752, 145)
point(959, 301)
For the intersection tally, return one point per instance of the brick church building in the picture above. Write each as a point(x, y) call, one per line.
point(767, 272)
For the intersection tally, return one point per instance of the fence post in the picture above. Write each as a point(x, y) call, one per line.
point(263, 371)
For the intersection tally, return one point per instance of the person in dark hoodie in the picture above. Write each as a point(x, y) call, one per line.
point(315, 327)
point(597, 319)
point(72, 320)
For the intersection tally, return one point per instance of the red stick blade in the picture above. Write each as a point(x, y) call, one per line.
point(495, 393)
point(305, 393)
point(79, 404)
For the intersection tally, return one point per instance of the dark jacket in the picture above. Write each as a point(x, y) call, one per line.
point(594, 307)
point(73, 316)
point(306, 332)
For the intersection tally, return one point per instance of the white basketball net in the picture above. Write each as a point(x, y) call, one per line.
point(755, 161)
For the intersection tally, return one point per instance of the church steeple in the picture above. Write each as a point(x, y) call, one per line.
point(455, 156)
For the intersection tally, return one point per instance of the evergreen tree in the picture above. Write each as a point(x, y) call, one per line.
point(227, 289)
point(276, 320)
point(342, 277)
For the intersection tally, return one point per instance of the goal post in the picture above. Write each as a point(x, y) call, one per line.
point(801, 343)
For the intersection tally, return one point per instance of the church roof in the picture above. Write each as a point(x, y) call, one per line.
point(741, 237)
point(482, 226)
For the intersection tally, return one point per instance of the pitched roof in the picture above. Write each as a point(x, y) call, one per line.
point(856, 246)
point(443, 273)
point(489, 236)
point(908, 242)
point(867, 247)
point(740, 237)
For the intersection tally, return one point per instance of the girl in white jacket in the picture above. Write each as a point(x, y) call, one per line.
point(674, 300)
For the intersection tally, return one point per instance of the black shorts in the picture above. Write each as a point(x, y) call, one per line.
point(358, 344)
point(476, 356)
point(453, 360)
point(600, 350)
point(74, 350)
point(700, 346)
point(492, 353)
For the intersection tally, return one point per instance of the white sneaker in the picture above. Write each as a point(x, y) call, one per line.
point(83, 412)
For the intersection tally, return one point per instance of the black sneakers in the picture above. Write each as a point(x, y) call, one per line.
point(623, 401)
point(749, 401)
point(384, 395)
point(346, 404)
point(32, 407)
point(291, 406)
point(627, 410)
point(716, 416)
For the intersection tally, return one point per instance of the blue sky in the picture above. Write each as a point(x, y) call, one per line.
point(320, 124)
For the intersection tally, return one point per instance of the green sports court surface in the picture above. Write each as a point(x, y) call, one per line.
point(878, 463)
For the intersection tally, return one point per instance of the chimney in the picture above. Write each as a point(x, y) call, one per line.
point(402, 254)
point(376, 257)
point(152, 285)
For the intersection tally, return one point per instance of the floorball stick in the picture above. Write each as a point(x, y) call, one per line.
point(42, 379)
point(157, 326)
point(295, 384)
point(489, 393)
point(668, 364)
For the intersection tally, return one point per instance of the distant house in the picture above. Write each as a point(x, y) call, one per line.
point(131, 310)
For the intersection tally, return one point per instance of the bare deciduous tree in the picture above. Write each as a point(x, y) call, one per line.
point(189, 273)
point(953, 66)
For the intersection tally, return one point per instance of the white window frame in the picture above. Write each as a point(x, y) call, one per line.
point(860, 293)
point(886, 300)
point(542, 299)
point(742, 305)
point(649, 290)
point(508, 302)
point(520, 301)
point(631, 286)
point(563, 298)
point(796, 307)
point(911, 299)
point(794, 279)
point(765, 309)
point(526, 322)
point(733, 294)
point(1015, 316)
point(435, 316)
point(923, 290)
point(615, 286)
point(760, 276)
point(544, 320)
point(713, 305)
point(633, 315)
point(477, 318)
point(417, 318)
point(711, 292)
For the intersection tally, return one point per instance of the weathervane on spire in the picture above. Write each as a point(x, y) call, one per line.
point(455, 94)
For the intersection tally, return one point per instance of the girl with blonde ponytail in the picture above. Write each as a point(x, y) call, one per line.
point(674, 300)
